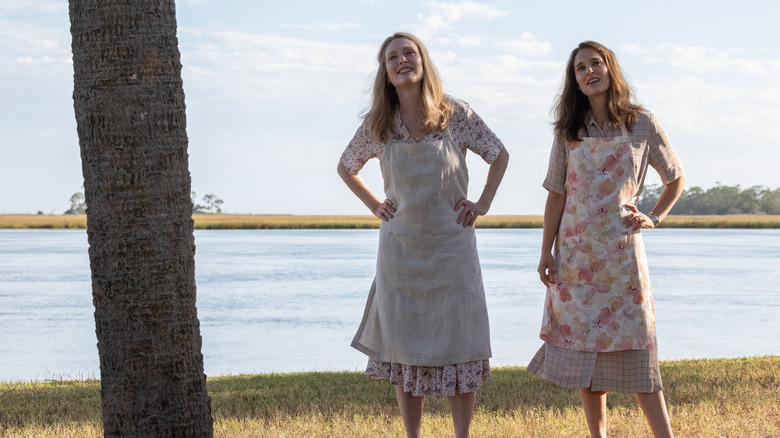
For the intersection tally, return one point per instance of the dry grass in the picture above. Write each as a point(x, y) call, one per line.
point(281, 221)
point(722, 221)
point(269, 221)
point(706, 398)
point(63, 221)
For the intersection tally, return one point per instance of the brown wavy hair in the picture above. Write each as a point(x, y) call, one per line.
point(436, 107)
point(572, 105)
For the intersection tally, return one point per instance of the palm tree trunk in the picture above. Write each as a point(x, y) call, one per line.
point(129, 104)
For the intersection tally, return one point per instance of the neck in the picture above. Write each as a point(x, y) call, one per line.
point(409, 99)
point(598, 107)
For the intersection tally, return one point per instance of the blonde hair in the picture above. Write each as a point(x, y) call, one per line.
point(436, 107)
point(572, 105)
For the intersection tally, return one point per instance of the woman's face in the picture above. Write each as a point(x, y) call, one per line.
point(403, 63)
point(590, 70)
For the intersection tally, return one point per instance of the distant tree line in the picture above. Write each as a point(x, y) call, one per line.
point(717, 200)
point(211, 204)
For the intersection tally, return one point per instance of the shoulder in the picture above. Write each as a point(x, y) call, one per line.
point(646, 116)
point(460, 105)
point(560, 142)
point(462, 113)
point(362, 140)
point(646, 126)
point(461, 108)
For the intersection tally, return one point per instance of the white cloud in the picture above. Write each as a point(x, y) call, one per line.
point(527, 45)
point(708, 90)
point(322, 26)
point(33, 53)
point(257, 68)
point(32, 39)
point(465, 11)
point(442, 16)
point(707, 60)
point(49, 6)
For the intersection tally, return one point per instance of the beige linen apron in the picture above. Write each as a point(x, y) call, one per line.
point(427, 304)
point(601, 300)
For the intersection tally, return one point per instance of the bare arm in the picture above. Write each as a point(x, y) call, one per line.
point(666, 201)
point(495, 174)
point(382, 210)
point(553, 210)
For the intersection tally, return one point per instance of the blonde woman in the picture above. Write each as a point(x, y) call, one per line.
point(425, 325)
point(599, 320)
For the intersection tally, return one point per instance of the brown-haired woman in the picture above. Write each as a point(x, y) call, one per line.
point(425, 326)
point(599, 321)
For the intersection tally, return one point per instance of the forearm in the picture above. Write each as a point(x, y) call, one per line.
point(553, 210)
point(668, 197)
point(494, 177)
point(359, 188)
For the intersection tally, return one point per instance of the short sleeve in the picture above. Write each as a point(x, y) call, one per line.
point(470, 131)
point(556, 169)
point(660, 153)
point(359, 150)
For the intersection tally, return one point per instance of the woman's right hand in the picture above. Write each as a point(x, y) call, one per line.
point(546, 269)
point(385, 210)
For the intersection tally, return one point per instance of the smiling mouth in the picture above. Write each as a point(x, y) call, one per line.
point(404, 70)
point(593, 81)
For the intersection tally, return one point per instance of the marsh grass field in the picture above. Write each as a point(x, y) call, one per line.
point(282, 221)
point(706, 398)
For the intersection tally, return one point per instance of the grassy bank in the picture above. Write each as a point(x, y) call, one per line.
point(706, 398)
point(257, 222)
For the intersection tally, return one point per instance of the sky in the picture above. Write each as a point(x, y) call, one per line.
point(275, 90)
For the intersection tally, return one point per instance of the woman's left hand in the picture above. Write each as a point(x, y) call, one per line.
point(636, 219)
point(470, 212)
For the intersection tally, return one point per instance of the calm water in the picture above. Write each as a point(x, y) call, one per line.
point(283, 301)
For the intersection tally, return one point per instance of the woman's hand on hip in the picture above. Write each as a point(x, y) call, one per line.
point(471, 210)
point(546, 269)
point(636, 219)
point(385, 210)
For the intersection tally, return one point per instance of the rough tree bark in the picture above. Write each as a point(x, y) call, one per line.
point(129, 104)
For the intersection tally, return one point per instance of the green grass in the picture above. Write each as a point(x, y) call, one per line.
point(270, 221)
point(706, 398)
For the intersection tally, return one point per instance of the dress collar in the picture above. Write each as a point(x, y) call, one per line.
point(591, 127)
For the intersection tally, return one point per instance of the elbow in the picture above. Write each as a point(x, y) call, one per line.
point(504, 156)
point(343, 172)
point(679, 183)
point(502, 160)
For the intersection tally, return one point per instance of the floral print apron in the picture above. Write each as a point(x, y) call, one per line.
point(601, 299)
point(427, 304)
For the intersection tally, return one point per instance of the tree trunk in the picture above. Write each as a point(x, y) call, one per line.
point(129, 104)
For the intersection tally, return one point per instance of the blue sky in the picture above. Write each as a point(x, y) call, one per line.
point(274, 91)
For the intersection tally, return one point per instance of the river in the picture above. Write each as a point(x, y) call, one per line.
point(274, 301)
